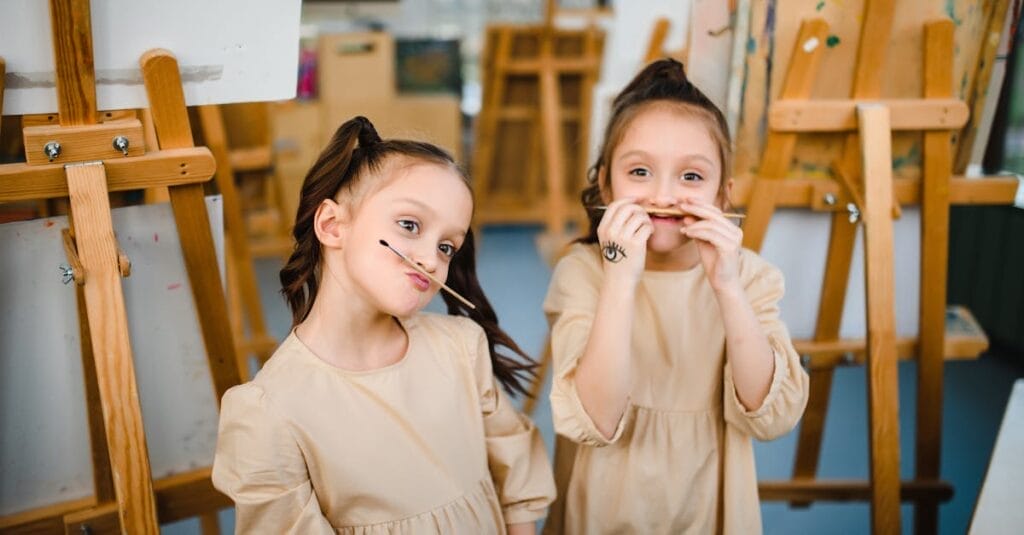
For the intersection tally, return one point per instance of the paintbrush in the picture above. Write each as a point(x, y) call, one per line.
point(677, 213)
point(424, 272)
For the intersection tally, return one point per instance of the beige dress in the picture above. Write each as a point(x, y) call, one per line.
point(681, 459)
point(430, 444)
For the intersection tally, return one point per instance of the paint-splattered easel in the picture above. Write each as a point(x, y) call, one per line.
point(86, 160)
point(865, 192)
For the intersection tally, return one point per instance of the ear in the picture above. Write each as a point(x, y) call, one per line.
point(726, 194)
point(331, 223)
point(604, 185)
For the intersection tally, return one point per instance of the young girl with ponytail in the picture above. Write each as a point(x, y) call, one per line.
point(669, 354)
point(372, 416)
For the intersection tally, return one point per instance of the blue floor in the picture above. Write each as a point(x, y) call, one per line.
point(515, 279)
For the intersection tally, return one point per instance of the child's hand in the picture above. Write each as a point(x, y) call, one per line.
point(623, 235)
point(718, 242)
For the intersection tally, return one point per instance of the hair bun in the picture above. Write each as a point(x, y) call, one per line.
point(367, 133)
point(667, 69)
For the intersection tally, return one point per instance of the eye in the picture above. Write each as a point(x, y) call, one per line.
point(409, 225)
point(639, 171)
point(447, 249)
point(692, 177)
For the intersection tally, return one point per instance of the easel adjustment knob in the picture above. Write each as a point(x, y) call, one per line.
point(121, 144)
point(829, 199)
point(52, 150)
point(854, 212)
point(67, 273)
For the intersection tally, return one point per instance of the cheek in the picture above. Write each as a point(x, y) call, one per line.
point(622, 188)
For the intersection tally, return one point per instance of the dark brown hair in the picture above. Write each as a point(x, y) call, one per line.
point(354, 153)
point(663, 81)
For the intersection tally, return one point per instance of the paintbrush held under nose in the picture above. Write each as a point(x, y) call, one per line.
point(677, 213)
point(424, 272)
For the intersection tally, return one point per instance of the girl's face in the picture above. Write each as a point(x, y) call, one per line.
point(424, 211)
point(665, 157)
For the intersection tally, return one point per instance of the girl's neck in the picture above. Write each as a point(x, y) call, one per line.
point(346, 331)
point(683, 258)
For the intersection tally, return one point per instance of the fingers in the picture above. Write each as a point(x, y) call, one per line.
point(725, 237)
point(621, 220)
point(703, 210)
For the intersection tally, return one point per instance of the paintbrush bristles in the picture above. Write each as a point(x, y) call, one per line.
point(426, 274)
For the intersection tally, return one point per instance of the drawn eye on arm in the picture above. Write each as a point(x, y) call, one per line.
point(613, 252)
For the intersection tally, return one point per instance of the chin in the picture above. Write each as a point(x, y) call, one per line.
point(406, 307)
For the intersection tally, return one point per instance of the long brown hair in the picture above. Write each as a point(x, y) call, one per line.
point(665, 81)
point(356, 152)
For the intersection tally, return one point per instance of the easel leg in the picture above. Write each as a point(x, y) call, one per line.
point(258, 342)
point(102, 478)
point(830, 312)
point(554, 146)
point(938, 161)
point(883, 397)
point(197, 248)
point(115, 370)
point(170, 119)
point(494, 95)
point(778, 150)
point(209, 525)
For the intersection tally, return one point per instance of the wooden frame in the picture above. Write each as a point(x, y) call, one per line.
point(126, 498)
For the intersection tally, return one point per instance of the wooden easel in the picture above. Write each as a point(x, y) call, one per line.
point(865, 192)
point(87, 168)
point(530, 74)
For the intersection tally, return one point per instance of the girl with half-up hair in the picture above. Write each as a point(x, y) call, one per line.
point(668, 351)
point(373, 416)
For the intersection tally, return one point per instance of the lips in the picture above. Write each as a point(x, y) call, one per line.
point(666, 220)
point(419, 281)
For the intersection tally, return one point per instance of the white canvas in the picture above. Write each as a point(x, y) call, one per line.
point(227, 50)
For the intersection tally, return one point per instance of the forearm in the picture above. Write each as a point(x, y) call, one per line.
point(526, 528)
point(603, 375)
point(746, 347)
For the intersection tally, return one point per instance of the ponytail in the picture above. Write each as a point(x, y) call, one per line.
point(300, 278)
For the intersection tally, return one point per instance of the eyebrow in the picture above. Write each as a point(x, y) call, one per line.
point(638, 152)
point(418, 203)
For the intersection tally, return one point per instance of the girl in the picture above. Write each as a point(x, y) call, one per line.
point(372, 417)
point(668, 349)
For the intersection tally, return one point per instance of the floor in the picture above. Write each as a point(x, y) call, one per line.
point(976, 394)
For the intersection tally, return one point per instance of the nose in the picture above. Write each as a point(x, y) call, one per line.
point(427, 259)
point(663, 197)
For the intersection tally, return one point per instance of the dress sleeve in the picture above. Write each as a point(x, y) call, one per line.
point(516, 456)
point(260, 466)
point(570, 306)
point(787, 396)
